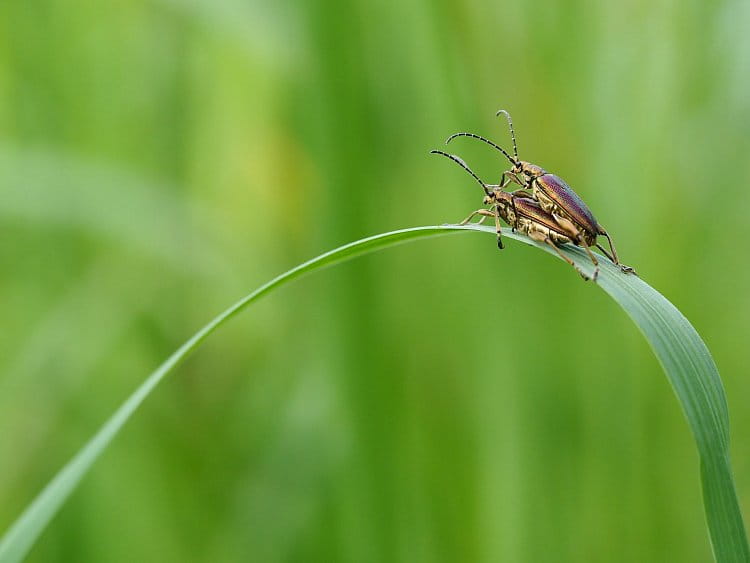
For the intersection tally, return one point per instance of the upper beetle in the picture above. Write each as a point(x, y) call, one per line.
point(555, 197)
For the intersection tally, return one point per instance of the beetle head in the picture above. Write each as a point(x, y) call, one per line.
point(528, 170)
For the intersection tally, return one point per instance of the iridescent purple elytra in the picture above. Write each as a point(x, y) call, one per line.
point(566, 201)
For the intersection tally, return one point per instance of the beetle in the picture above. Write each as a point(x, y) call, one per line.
point(521, 213)
point(555, 196)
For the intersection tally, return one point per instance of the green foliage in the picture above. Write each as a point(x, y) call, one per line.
point(437, 403)
point(683, 355)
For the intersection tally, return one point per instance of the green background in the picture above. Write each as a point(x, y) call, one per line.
point(439, 402)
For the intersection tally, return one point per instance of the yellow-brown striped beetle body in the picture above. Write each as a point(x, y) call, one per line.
point(521, 213)
point(555, 197)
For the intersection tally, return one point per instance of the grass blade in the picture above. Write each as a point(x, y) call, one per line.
point(681, 352)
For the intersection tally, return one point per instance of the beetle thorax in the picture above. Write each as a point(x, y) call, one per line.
point(504, 204)
point(498, 197)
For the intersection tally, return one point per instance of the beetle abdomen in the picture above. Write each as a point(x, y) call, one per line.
point(561, 199)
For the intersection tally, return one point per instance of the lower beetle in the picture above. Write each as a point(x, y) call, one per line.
point(521, 213)
point(558, 199)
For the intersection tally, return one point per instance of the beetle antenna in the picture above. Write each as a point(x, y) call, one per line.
point(465, 166)
point(512, 133)
point(490, 143)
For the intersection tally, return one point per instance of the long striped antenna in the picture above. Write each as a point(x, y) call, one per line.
point(490, 143)
point(512, 133)
point(465, 166)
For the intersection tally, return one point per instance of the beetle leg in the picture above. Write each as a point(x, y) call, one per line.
point(504, 179)
point(608, 255)
point(541, 237)
point(613, 258)
point(498, 228)
point(508, 177)
point(487, 213)
point(522, 194)
point(623, 268)
point(588, 251)
point(568, 225)
point(483, 212)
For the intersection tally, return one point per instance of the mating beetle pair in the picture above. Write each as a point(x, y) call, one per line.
point(551, 212)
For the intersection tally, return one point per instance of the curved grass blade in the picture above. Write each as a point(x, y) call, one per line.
point(681, 352)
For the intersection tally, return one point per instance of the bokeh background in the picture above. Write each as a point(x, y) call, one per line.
point(438, 402)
